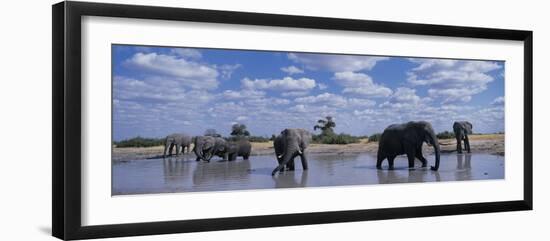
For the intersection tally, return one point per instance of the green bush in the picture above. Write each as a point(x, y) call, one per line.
point(375, 137)
point(139, 142)
point(339, 139)
point(445, 135)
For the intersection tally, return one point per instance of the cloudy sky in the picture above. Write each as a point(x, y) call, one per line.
point(161, 90)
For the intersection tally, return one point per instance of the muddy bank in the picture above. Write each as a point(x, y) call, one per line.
point(491, 144)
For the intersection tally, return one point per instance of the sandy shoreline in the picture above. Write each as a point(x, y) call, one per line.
point(491, 143)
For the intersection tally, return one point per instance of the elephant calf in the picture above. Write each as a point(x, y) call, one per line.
point(407, 138)
point(461, 130)
point(292, 143)
point(179, 141)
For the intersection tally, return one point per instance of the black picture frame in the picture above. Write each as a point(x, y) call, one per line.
point(66, 158)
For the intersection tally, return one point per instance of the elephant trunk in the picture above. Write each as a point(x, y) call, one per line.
point(198, 151)
point(437, 152)
point(290, 151)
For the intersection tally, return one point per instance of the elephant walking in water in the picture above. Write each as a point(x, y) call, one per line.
point(292, 143)
point(407, 138)
point(238, 148)
point(462, 129)
point(179, 141)
point(278, 145)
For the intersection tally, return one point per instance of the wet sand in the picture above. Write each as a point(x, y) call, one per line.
point(487, 144)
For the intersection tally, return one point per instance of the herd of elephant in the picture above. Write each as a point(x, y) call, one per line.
point(397, 139)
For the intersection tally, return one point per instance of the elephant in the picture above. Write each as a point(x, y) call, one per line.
point(238, 148)
point(278, 145)
point(177, 140)
point(294, 143)
point(207, 146)
point(462, 129)
point(407, 138)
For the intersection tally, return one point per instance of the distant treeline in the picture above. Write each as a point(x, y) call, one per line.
point(239, 131)
point(139, 142)
point(149, 142)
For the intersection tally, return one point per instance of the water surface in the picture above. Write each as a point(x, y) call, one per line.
point(183, 174)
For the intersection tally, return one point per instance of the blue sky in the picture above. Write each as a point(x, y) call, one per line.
point(163, 90)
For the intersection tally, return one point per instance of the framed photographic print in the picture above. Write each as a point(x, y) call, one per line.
point(169, 120)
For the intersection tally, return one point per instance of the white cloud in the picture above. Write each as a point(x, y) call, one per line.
point(298, 108)
point(356, 102)
point(292, 70)
point(498, 101)
point(294, 93)
point(228, 69)
point(322, 86)
point(265, 102)
point(243, 94)
point(241, 118)
point(362, 84)
point(452, 80)
point(186, 53)
point(188, 73)
point(334, 62)
point(285, 84)
point(325, 98)
point(403, 98)
point(334, 100)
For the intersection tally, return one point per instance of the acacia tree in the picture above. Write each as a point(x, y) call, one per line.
point(212, 132)
point(326, 126)
point(239, 130)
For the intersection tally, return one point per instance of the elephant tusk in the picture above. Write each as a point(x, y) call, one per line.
point(299, 152)
point(281, 156)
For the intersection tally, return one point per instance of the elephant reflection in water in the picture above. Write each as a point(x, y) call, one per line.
point(463, 167)
point(221, 172)
point(385, 177)
point(289, 179)
point(175, 170)
point(406, 176)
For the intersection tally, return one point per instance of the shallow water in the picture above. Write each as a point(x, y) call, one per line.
point(183, 174)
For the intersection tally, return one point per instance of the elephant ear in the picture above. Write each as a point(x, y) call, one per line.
point(469, 127)
point(411, 136)
point(284, 132)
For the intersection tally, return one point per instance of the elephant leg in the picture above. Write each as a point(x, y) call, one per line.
point(467, 143)
point(170, 149)
point(290, 165)
point(165, 149)
point(421, 157)
point(390, 162)
point(198, 159)
point(177, 149)
point(304, 161)
point(459, 144)
point(379, 160)
point(245, 156)
point(411, 156)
